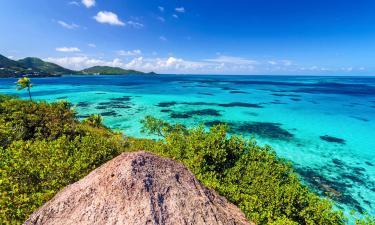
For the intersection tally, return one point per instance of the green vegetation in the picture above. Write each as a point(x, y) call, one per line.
point(43, 147)
point(31, 67)
point(46, 67)
point(107, 70)
point(35, 67)
point(23, 83)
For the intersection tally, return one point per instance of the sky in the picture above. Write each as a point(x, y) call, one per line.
point(288, 37)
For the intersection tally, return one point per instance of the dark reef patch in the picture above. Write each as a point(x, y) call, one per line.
point(331, 139)
point(368, 163)
point(295, 99)
point(337, 189)
point(205, 93)
point(113, 105)
point(62, 97)
point(100, 93)
point(205, 112)
point(166, 110)
point(228, 89)
point(241, 104)
point(110, 113)
point(176, 115)
point(124, 98)
point(286, 95)
point(166, 104)
point(262, 129)
point(252, 113)
point(360, 118)
point(83, 104)
point(239, 92)
point(201, 112)
point(278, 102)
point(198, 103)
point(82, 116)
point(214, 123)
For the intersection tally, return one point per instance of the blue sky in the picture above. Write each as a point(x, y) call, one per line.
point(332, 37)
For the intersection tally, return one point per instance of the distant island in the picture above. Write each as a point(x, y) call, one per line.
point(35, 67)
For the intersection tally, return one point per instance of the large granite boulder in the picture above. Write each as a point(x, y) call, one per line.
point(138, 188)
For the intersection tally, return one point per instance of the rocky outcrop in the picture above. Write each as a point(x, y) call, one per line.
point(138, 188)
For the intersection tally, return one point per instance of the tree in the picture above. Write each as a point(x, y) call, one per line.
point(23, 83)
point(94, 121)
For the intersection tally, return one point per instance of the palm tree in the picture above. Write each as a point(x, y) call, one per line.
point(23, 83)
point(94, 121)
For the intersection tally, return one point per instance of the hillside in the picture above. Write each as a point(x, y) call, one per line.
point(107, 70)
point(47, 67)
point(35, 67)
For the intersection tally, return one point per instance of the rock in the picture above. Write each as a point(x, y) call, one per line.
point(138, 188)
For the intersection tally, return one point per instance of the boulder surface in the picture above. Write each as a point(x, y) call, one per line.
point(137, 189)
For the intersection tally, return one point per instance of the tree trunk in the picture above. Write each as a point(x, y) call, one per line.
point(28, 89)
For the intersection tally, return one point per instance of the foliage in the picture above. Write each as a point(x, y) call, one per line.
point(44, 148)
point(368, 220)
point(252, 177)
point(107, 70)
point(94, 121)
point(23, 83)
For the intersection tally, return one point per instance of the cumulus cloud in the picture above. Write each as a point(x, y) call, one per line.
point(232, 60)
point(180, 9)
point(82, 62)
point(92, 45)
point(109, 18)
point(67, 25)
point(68, 49)
point(129, 53)
point(88, 3)
point(161, 8)
point(175, 16)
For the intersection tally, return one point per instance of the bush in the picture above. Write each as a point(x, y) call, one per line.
point(252, 177)
point(44, 148)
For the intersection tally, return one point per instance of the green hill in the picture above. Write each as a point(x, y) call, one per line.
point(107, 70)
point(35, 67)
point(46, 67)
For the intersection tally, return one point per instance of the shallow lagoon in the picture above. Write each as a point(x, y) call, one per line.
point(325, 125)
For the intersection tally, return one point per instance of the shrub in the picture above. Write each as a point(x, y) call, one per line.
point(252, 177)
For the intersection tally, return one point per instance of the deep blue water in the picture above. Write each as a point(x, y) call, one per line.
point(324, 125)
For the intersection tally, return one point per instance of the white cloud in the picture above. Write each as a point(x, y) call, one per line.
point(88, 3)
point(180, 9)
point(175, 16)
point(74, 3)
point(129, 53)
point(281, 62)
point(82, 62)
point(135, 24)
point(92, 45)
point(162, 38)
point(108, 17)
point(161, 9)
point(67, 25)
point(232, 60)
point(160, 18)
point(68, 49)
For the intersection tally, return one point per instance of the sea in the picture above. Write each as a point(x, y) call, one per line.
point(324, 125)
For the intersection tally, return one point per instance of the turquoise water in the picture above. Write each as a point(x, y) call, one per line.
point(324, 125)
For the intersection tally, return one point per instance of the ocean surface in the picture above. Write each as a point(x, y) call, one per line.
point(324, 125)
